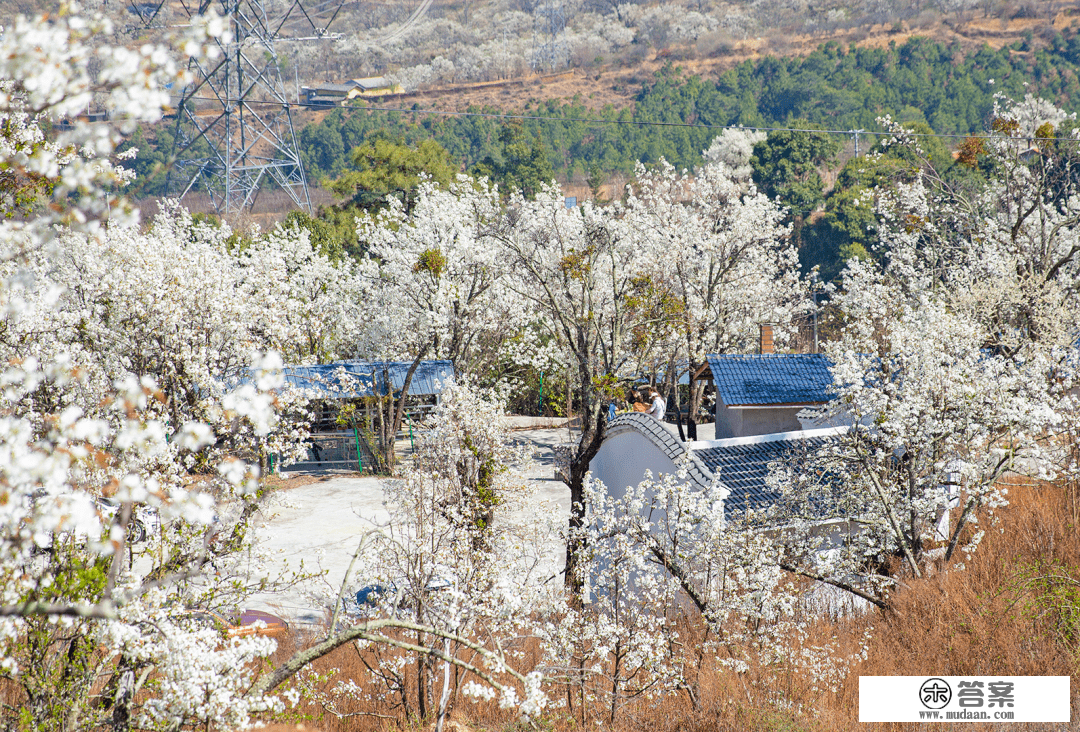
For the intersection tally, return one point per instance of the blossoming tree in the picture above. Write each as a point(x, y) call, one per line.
point(955, 361)
point(723, 259)
point(117, 346)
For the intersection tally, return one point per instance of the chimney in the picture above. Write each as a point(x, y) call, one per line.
point(765, 338)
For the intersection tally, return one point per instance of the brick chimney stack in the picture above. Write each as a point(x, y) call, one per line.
point(765, 339)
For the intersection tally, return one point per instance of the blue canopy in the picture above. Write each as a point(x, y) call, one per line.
point(353, 379)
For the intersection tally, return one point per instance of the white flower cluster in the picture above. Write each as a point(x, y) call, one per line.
point(721, 251)
point(114, 340)
point(435, 276)
point(53, 65)
point(955, 365)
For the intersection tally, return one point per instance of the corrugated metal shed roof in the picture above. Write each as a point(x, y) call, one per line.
point(351, 379)
point(328, 89)
point(431, 377)
point(743, 468)
point(771, 378)
point(372, 82)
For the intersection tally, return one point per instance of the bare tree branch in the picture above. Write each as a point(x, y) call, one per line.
point(367, 631)
point(840, 585)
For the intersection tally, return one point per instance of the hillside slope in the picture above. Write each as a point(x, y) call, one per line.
point(617, 84)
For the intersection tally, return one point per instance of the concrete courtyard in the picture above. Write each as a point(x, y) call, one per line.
point(317, 526)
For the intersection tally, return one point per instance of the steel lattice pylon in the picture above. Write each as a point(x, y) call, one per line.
point(234, 126)
point(549, 20)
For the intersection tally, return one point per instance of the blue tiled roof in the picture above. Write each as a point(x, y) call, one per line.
point(328, 381)
point(772, 378)
point(743, 468)
point(367, 378)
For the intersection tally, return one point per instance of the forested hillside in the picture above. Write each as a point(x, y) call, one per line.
point(841, 88)
point(931, 87)
point(920, 81)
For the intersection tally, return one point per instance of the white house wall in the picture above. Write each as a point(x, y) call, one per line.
point(625, 455)
point(743, 422)
point(623, 459)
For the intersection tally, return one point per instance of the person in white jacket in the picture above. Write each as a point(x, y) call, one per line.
point(659, 406)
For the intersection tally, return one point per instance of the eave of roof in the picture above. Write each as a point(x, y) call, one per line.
point(772, 437)
point(740, 463)
point(776, 405)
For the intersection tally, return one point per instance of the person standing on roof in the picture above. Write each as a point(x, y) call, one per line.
point(659, 406)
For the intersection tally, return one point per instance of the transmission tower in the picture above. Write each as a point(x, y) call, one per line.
point(234, 129)
point(549, 21)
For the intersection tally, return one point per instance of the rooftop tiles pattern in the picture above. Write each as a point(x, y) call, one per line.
point(743, 469)
point(771, 378)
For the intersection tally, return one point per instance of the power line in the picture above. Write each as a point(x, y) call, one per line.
point(644, 123)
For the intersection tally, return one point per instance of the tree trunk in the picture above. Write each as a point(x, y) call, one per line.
point(445, 688)
point(694, 398)
point(385, 406)
point(399, 415)
point(121, 714)
point(421, 679)
point(394, 412)
point(594, 424)
point(671, 381)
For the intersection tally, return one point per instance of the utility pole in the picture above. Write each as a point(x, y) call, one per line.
point(856, 134)
point(551, 19)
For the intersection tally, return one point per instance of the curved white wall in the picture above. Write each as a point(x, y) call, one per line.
point(623, 459)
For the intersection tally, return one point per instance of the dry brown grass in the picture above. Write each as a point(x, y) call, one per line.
point(998, 616)
point(982, 620)
point(993, 618)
